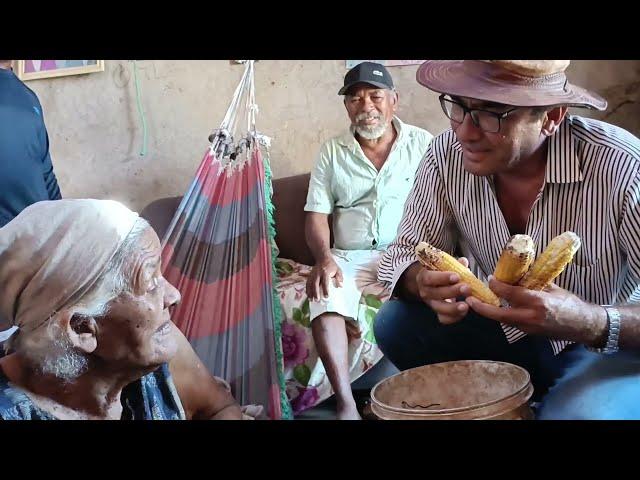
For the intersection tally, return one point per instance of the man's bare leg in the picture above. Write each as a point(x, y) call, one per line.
point(330, 337)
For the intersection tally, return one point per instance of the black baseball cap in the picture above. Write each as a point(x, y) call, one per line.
point(367, 72)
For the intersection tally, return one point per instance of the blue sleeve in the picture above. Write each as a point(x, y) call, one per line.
point(50, 180)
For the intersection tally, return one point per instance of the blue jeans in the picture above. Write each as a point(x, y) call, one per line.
point(410, 335)
point(595, 387)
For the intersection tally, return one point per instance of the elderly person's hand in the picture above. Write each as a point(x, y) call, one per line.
point(322, 273)
point(554, 313)
point(251, 412)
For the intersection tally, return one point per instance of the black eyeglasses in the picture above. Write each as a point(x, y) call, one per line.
point(485, 120)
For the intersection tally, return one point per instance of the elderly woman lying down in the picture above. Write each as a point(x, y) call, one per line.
point(81, 280)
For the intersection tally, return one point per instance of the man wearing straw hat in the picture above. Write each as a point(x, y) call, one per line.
point(515, 162)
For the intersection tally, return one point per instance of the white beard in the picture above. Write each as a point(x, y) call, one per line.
point(370, 132)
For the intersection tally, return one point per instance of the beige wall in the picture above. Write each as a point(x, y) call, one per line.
point(96, 133)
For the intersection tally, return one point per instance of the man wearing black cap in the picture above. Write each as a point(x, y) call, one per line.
point(363, 178)
point(512, 163)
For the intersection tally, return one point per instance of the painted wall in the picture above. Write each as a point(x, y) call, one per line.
point(96, 132)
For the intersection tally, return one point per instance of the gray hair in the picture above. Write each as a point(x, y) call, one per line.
point(114, 281)
point(53, 352)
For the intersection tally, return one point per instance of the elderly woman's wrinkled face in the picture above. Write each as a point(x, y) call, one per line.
point(136, 332)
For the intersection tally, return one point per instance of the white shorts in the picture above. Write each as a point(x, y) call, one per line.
point(5, 334)
point(359, 270)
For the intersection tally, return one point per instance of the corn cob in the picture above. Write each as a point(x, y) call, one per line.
point(515, 260)
point(435, 259)
point(551, 262)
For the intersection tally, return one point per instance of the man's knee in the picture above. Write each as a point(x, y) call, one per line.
point(572, 404)
point(326, 321)
point(399, 328)
point(385, 324)
point(327, 317)
point(606, 388)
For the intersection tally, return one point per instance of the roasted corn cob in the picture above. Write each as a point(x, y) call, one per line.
point(435, 259)
point(551, 262)
point(515, 260)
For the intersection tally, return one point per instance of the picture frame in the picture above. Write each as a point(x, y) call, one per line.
point(387, 63)
point(36, 69)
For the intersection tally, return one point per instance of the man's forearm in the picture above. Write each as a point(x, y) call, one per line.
point(595, 329)
point(629, 326)
point(224, 407)
point(318, 236)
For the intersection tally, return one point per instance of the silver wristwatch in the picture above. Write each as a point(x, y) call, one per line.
point(613, 322)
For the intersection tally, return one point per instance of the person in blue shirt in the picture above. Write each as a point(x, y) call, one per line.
point(26, 170)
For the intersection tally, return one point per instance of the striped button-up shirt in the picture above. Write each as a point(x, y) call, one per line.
point(591, 187)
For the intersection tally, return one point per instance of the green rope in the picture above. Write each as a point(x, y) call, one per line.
point(143, 152)
point(277, 310)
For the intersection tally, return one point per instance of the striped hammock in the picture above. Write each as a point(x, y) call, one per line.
point(219, 253)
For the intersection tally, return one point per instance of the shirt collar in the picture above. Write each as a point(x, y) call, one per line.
point(563, 163)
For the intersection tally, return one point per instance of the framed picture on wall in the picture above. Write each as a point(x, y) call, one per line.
point(387, 63)
point(35, 69)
